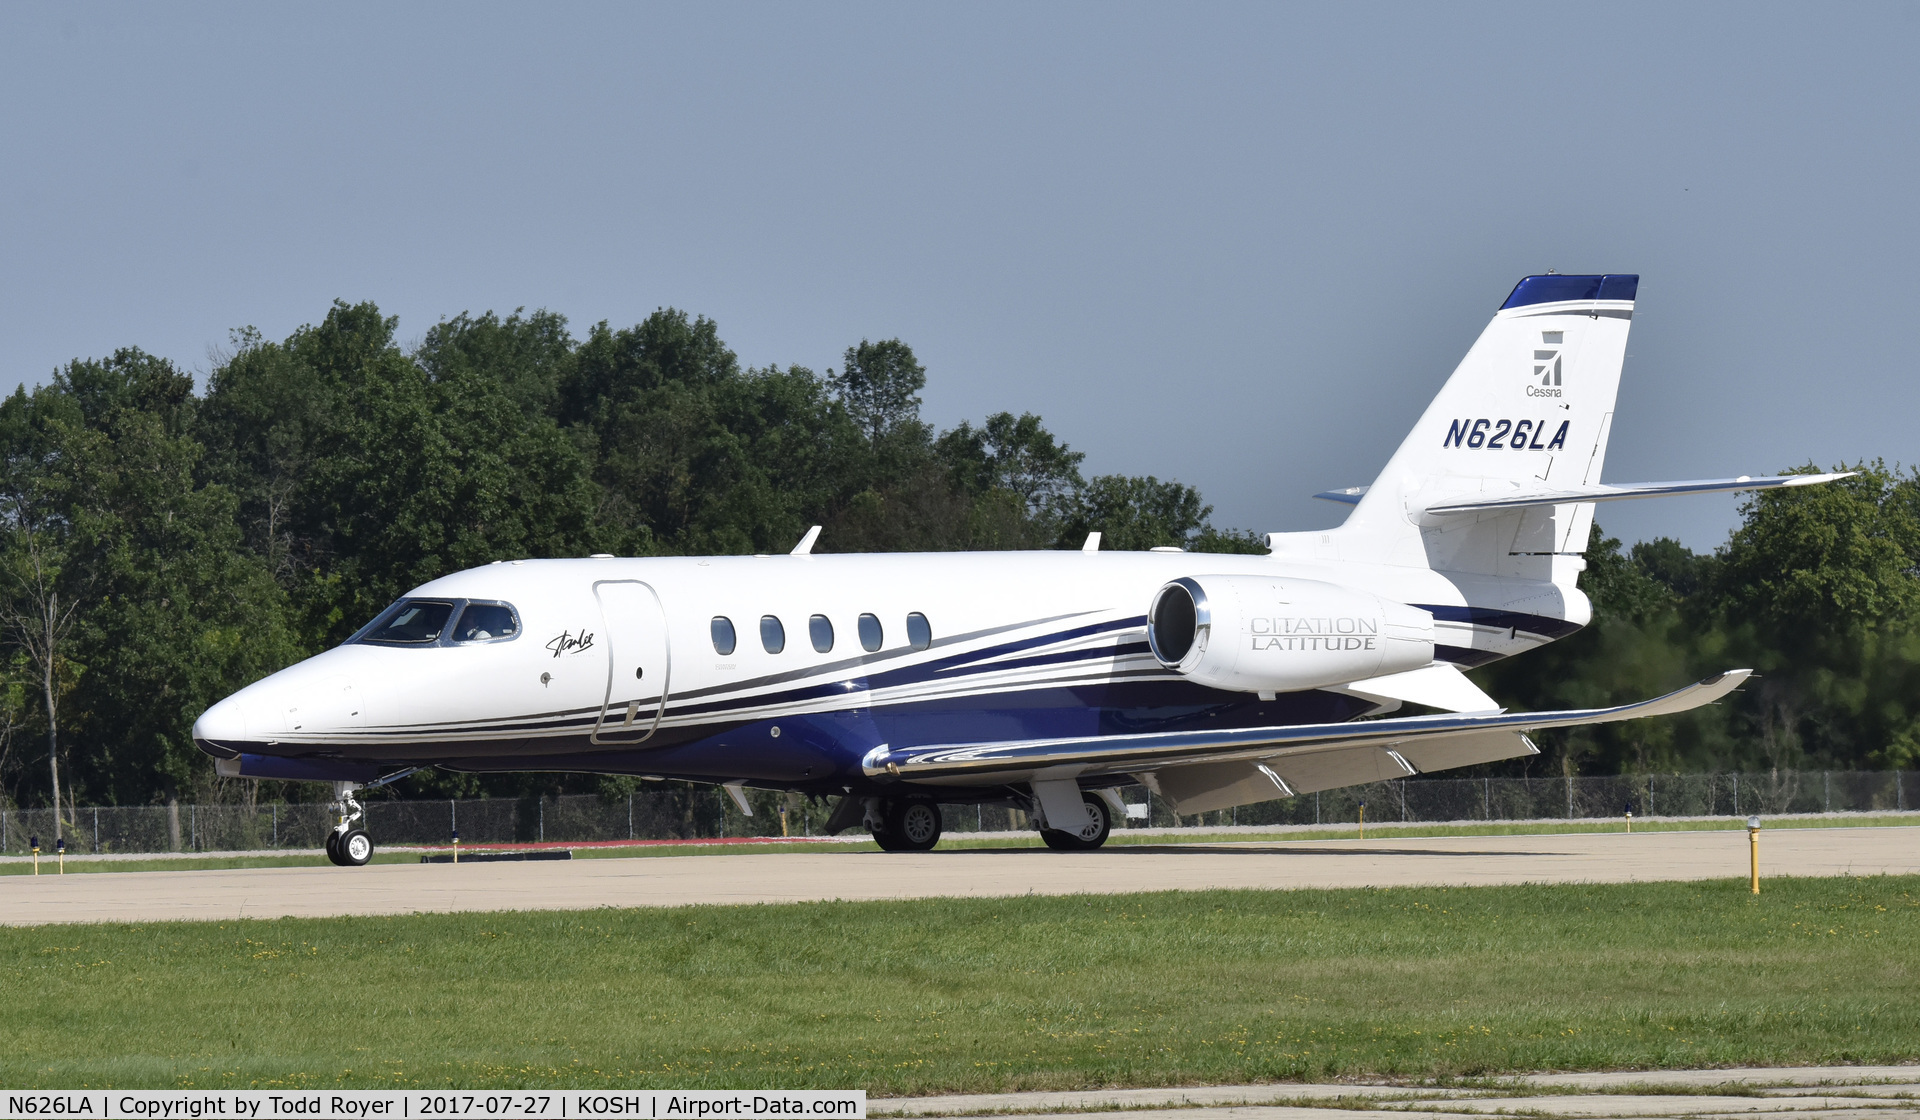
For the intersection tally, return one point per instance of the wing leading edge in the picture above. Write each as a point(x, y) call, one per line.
point(1109, 754)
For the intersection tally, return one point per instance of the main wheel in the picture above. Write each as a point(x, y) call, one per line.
point(913, 825)
point(333, 847)
point(1092, 834)
point(888, 841)
point(355, 848)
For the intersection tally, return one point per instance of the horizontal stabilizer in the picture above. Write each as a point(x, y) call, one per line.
point(1349, 497)
point(1522, 499)
point(1108, 754)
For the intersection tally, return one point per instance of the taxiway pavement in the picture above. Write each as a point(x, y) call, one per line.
point(399, 888)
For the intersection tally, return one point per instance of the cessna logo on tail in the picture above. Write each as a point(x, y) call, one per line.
point(1546, 365)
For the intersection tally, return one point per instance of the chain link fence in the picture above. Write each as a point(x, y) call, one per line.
point(696, 812)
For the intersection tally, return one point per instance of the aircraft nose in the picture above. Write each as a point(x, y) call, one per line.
point(225, 722)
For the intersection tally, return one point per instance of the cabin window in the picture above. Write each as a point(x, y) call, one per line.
point(723, 639)
point(869, 633)
point(410, 622)
point(919, 634)
point(773, 636)
point(486, 622)
point(820, 629)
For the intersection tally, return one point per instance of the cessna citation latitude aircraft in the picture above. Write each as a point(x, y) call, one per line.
point(1041, 680)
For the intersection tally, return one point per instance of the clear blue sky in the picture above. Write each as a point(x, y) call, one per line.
point(1236, 245)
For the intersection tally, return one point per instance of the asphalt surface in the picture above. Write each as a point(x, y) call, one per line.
point(398, 888)
point(1803, 1093)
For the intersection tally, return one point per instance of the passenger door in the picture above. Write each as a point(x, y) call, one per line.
point(638, 662)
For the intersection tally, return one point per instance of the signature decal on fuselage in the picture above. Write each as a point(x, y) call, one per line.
point(567, 642)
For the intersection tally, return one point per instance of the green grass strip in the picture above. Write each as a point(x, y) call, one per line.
point(974, 995)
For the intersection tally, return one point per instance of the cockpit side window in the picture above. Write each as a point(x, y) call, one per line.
point(410, 622)
point(486, 622)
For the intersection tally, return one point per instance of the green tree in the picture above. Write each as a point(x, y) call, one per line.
point(1136, 513)
point(879, 383)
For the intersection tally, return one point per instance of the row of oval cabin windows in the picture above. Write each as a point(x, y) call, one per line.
point(773, 635)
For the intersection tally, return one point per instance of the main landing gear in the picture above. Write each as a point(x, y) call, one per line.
point(1081, 836)
point(904, 824)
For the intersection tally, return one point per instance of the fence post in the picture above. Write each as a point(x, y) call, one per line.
point(1649, 795)
point(193, 828)
point(1899, 792)
point(543, 820)
point(1316, 805)
point(96, 829)
point(1736, 793)
point(1569, 796)
point(1826, 780)
point(630, 834)
point(276, 824)
point(1487, 797)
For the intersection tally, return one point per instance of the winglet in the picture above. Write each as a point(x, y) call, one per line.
point(805, 547)
point(1093, 542)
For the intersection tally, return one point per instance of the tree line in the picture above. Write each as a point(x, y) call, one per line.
point(166, 545)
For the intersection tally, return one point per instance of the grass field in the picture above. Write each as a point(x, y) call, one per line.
point(960, 994)
point(1317, 834)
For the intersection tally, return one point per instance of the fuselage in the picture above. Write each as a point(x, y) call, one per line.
point(784, 671)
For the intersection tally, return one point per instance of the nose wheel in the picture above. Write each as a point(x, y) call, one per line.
point(348, 846)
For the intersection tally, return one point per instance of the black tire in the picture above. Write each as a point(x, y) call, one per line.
point(333, 847)
point(913, 825)
point(355, 848)
point(1097, 812)
point(887, 842)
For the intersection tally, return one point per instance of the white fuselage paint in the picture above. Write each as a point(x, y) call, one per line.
point(1001, 623)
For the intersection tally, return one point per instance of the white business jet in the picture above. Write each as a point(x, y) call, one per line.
point(1040, 680)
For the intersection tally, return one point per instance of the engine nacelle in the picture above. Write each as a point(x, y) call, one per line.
point(1271, 634)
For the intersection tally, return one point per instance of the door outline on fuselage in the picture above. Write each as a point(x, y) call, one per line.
point(613, 632)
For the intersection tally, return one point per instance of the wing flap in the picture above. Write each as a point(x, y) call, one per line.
point(1106, 754)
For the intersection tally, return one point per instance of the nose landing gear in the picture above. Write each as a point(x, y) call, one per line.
point(347, 845)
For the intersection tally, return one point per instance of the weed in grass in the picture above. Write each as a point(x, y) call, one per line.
point(982, 994)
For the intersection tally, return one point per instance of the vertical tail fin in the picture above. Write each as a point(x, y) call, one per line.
point(1528, 408)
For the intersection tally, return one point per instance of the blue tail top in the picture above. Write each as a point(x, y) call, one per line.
point(1556, 289)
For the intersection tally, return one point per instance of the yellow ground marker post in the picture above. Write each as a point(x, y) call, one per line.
point(1363, 820)
point(456, 845)
point(60, 847)
point(1753, 851)
point(1629, 820)
point(34, 843)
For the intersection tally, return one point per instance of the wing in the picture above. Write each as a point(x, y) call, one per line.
point(1414, 736)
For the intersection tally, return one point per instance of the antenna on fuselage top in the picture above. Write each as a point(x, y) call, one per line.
point(805, 547)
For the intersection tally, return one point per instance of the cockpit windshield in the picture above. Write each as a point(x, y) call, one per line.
point(486, 622)
point(412, 622)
